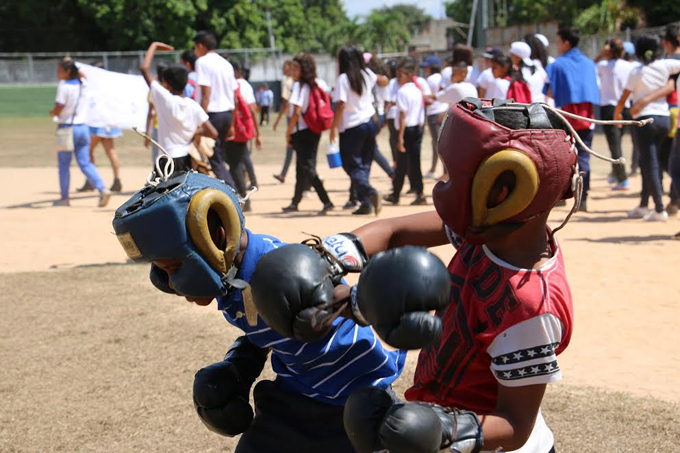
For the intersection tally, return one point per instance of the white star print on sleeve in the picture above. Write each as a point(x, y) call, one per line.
point(524, 354)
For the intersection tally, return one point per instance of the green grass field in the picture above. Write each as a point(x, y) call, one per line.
point(26, 101)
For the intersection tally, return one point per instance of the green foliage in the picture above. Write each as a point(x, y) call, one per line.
point(297, 25)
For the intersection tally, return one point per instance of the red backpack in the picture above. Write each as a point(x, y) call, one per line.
point(519, 91)
point(244, 128)
point(319, 115)
point(195, 85)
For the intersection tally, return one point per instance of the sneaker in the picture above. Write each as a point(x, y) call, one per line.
point(116, 186)
point(391, 198)
point(104, 198)
point(87, 187)
point(327, 207)
point(611, 179)
point(672, 209)
point(280, 178)
point(638, 213)
point(351, 204)
point(246, 207)
point(62, 202)
point(653, 216)
point(420, 200)
point(623, 185)
point(290, 208)
point(430, 175)
point(364, 209)
point(376, 201)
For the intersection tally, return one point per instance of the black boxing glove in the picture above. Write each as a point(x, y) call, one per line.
point(396, 291)
point(160, 279)
point(373, 422)
point(292, 290)
point(221, 390)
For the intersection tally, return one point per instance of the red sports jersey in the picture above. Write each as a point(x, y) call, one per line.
point(504, 325)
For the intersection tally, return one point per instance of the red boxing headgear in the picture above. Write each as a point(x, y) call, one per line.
point(478, 143)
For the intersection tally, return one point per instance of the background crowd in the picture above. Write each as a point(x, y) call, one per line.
point(405, 97)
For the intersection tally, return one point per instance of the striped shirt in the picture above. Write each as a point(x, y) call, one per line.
point(347, 358)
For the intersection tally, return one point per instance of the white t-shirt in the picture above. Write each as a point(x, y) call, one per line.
point(381, 95)
point(436, 108)
point(644, 80)
point(456, 92)
point(484, 79)
point(495, 88)
point(358, 109)
point(410, 102)
point(217, 73)
point(535, 82)
point(246, 90)
point(471, 77)
point(613, 76)
point(178, 119)
point(67, 95)
point(299, 96)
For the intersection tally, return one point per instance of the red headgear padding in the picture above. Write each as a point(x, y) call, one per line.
point(476, 149)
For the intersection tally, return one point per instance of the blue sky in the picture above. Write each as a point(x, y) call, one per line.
point(434, 8)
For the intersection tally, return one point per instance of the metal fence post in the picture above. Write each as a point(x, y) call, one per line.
point(30, 68)
point(105, 61)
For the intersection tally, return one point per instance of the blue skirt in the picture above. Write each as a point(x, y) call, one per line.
point(106, 132)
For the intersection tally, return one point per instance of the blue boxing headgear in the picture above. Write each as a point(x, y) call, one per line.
point(170, 221)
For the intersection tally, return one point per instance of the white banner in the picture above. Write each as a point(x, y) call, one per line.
point(116, 100)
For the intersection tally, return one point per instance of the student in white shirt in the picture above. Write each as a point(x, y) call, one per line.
point(238, 153)
point(654, 74)
point(73, 135)
point(459, 89)
point(305, 142)
point(353, 96)
point(534, 75)
point(486, 76)
point(435, 110)
point(380, 96)
point(215, 77)
point(613, 72)
point(180, 118)
point(461, 52)
point(291, 72)
point(410, 121)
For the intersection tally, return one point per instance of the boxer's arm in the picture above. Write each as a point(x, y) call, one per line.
point(425, 229)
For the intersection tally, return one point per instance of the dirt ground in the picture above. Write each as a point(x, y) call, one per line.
point(94, 359)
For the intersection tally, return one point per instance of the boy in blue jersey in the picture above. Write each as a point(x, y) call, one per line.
point(192, 230)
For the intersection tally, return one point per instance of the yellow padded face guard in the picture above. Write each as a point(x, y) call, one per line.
point(526, 187)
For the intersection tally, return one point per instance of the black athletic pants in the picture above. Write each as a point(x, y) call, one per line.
point(409, 162)
point(264, 113)
point(614, 136)
point(306, 144)
point(236, 154)
point(222, 122)
point(289, 423)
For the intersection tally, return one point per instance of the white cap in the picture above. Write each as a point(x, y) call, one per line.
point(543, 39)
point(521, 50)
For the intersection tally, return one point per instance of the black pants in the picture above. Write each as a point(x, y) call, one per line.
point(357, 147)
point(614, 136)
point(409, 162)
point(649, 139)
point(288, 423)
point(264, 113)
point(222, 122)
point(250, 169)
point(306, 144)
point(236, 154)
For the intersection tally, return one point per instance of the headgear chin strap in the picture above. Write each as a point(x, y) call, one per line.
point(481, 140)
point(169, 221)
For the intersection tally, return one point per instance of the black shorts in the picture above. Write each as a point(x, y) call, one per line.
point(286, 422)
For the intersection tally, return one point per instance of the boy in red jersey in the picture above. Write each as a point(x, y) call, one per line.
point(511, 310)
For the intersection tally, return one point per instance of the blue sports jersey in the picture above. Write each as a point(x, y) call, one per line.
point(328, 370)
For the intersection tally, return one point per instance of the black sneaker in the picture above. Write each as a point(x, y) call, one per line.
point(290, 208)
point(376, 201)
point(364, 209)
point(391, 198)
point(246, 206)
point(327, 207)
point(351, 204)
point(116, 186)
point(419, 201)
point(87, 187)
